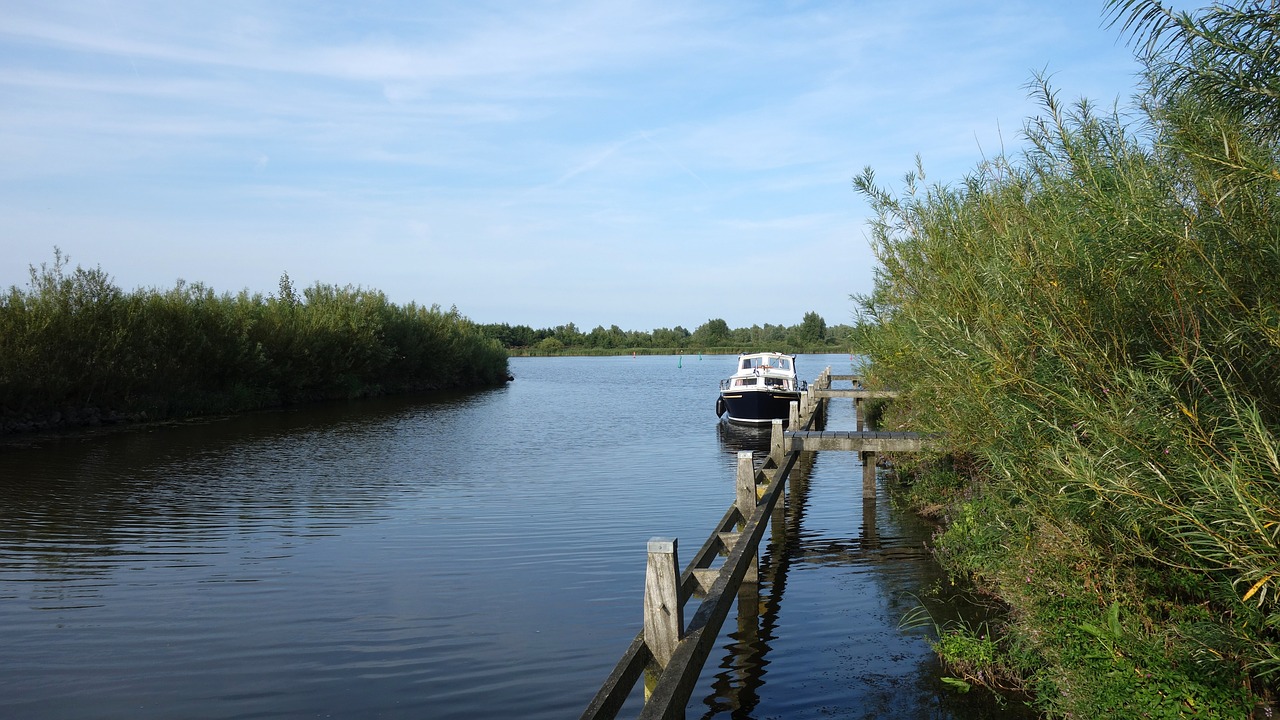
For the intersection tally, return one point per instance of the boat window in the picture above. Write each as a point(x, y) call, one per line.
point(740, 382)
point(784, 363)
point(775, 382)
point(749, 363)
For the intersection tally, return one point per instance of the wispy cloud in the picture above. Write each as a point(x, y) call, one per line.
point(537, 145)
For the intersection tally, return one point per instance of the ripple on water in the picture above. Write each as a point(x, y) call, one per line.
point(463, 556)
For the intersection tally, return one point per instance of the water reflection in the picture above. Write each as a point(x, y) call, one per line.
point(880, 671)
point(742, 669)
point(734, 437)
point(461, 556)
point(167, 495)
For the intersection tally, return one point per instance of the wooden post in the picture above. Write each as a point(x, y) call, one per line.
point(747, 498)
point(663, 611)
point(794, 415)
point(776, 448)
point(868, 475)
point(858, 412)
point(870, 535)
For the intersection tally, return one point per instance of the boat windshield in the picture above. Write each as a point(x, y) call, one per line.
point(781, 363)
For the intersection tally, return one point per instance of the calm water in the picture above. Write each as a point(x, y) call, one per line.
point(479, 555)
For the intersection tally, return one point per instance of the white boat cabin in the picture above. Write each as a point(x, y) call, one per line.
point(780, 383)
point(763, 371)
point(764, 362)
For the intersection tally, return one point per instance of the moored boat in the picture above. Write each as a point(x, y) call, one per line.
point(760, 390)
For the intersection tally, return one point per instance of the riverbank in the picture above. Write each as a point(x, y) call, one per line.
point(1092, 328)
point(77, 351)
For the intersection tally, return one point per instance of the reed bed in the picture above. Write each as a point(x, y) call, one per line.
point(1094, 326)
point(76, 349)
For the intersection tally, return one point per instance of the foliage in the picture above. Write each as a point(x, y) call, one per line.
point(1096, 325)
point(73, 341)
point(715, 335)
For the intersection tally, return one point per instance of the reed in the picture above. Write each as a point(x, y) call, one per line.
point(75, 347)
point(1094, 324)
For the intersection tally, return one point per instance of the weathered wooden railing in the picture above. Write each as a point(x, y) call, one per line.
point(858, 393)
point(669, 653)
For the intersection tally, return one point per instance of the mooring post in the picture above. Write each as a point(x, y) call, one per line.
point(868, 475)
point(857, 411)
point(776, 445)
point(663, 610)
point(748, 499)
point(794, 415)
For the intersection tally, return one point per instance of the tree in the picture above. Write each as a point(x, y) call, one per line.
point(713, 333)
point(670, 337)
point(568, 334)
point(813, 331)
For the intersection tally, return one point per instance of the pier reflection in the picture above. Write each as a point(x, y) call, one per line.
point(866, 539)
point(735, 689)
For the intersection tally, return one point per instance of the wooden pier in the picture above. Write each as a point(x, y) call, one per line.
point(670, 653)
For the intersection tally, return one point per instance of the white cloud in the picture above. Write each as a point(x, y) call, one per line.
point(537, 162)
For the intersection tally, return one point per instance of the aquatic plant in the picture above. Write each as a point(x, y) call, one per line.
point(75, 346)
point(1095, 322)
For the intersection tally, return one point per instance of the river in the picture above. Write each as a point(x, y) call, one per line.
point(461, 556)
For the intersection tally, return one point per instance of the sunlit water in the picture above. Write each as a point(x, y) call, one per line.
point(480, 555)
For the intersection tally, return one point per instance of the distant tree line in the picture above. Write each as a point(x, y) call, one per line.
point(76, 349)
point(812, 333)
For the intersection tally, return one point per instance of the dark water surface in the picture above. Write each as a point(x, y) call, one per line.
point(479, 555)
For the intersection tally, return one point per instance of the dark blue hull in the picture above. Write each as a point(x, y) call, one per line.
point(758, 406)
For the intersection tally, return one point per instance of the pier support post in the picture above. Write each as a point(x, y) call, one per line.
point(747, 497)
point(663, 609)
point(776, 443)
point(868, 475)
point(859, 413)
point(794, 415)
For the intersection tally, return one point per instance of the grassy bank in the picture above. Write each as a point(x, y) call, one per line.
point(76, 349)
point(1094, 327)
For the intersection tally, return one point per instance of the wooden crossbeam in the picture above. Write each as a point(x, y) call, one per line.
point(854, 393)
point(850, 440)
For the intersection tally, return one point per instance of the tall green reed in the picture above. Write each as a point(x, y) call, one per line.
point(1097, 323)
point(72, 339)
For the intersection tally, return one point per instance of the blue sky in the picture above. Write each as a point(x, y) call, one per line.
point(644, 164)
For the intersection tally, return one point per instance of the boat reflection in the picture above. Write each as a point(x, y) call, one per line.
point(734, 437)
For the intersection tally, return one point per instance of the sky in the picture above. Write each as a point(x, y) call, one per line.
point(640, 164)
